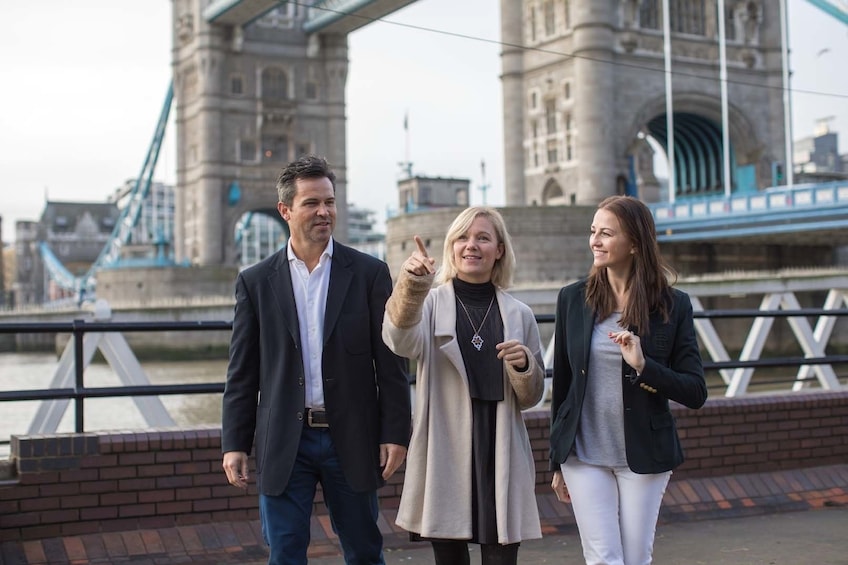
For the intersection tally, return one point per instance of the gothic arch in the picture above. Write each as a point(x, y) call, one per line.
point(698, 139)
point(552, 194)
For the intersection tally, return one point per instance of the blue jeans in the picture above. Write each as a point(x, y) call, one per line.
point(286, 518)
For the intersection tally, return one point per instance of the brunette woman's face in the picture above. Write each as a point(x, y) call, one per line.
point(611, 248)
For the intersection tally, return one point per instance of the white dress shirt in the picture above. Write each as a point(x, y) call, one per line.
point(310, 297)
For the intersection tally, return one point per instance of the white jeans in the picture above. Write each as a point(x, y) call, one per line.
point(616, 511)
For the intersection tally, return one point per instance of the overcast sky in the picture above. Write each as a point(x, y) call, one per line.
point(84, 83)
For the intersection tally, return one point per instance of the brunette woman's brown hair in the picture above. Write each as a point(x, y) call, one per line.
point(651, 277)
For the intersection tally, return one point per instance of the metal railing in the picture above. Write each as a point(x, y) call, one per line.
point(78, 328)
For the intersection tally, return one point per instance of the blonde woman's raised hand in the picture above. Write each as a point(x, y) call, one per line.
point(419, 263)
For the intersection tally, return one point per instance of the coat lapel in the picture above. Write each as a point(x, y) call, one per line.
point(445, 328)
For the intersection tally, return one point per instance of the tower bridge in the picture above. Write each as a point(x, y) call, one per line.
point(585, 107)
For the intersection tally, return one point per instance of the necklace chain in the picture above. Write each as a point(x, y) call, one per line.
point(476, 340)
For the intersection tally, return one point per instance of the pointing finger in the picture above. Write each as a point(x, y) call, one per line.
point(421, 248)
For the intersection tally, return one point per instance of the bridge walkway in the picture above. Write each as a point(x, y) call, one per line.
point(691, 499)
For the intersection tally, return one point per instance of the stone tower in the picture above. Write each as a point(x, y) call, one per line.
point(249, 99)
point(585, 97)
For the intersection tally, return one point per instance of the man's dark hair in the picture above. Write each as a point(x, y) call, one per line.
point(306, 167)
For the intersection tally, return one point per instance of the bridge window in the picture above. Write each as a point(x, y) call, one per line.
point(566, 90)
point(550, 20)
point(311, 90)
point(531, 25)
point(275, 84)
point(275, 148)
point(236, 85)
point(552, 153)
point(566, 12)
point(550, 116)
point(649, 14)
point(687, 16)
point(247, 150)
point(534, 127)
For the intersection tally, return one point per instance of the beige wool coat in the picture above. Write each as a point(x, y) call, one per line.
point(420, 324)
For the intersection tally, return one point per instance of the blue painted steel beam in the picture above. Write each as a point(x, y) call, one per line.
point(832, 9)
point(238, 12)
point(345, 16)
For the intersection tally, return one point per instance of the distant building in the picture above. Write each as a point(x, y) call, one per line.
point(361, 233)
point(426, 193)
point(69, 236)
point(155, 227)
point(817, 159)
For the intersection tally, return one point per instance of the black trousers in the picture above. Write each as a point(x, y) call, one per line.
point(455, 552)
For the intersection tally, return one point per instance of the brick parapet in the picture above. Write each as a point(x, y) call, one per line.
point(74, 484)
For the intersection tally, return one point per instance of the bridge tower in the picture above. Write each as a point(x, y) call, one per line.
point(585, 98)
point(250, 97)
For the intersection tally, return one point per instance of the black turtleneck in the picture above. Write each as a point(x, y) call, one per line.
point(485, 370)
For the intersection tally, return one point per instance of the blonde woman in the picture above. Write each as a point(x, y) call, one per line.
point(470, 475)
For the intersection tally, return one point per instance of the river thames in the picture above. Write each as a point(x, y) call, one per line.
point(31, 371)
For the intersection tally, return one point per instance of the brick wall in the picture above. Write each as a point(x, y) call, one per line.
point(72, 484)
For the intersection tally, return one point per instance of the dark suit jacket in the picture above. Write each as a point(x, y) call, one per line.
point(366, 391)
point(673, 370)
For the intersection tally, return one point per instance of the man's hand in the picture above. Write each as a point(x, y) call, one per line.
point(391, 456)
point(235, 466)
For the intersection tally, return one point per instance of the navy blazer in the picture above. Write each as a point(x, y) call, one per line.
point(673, 371)
point(366, 392)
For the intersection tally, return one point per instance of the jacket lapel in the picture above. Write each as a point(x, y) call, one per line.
point(281, 286)
point(340, 277)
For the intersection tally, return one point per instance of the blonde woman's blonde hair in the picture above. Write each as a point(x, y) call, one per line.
point(504, 267)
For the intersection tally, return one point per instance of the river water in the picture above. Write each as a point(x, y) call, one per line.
point(29, 371)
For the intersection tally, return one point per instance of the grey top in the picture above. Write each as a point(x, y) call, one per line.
point(600, 436)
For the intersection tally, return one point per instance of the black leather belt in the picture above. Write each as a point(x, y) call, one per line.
point(316, 418)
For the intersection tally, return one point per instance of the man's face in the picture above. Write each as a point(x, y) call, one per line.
point(312, 214)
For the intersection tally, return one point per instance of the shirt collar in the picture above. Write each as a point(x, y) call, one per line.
point(328, 251)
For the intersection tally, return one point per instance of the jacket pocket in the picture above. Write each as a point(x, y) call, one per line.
point(663, 436)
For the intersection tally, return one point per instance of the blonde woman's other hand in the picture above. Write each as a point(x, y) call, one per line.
point(512, 352)
point(420, 263)
point(560, 490)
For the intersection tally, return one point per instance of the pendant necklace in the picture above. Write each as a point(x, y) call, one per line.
point(476, 340)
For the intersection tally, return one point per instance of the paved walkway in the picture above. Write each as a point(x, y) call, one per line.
point(692, 530)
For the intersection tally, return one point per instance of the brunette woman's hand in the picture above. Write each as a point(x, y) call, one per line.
point(631, 348)
point(560, 490)
point(419, 263)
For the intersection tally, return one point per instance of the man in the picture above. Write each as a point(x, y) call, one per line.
point(309, 375)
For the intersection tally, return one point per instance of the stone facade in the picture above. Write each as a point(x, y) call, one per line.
point(579, 99)
point(249, 100)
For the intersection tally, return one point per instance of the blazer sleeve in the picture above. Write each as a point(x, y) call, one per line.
point(683, 379)
point(241, 391)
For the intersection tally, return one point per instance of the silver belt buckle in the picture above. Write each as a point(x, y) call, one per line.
point(312, 424)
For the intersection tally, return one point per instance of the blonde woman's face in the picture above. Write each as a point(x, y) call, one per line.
point(476, 251)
